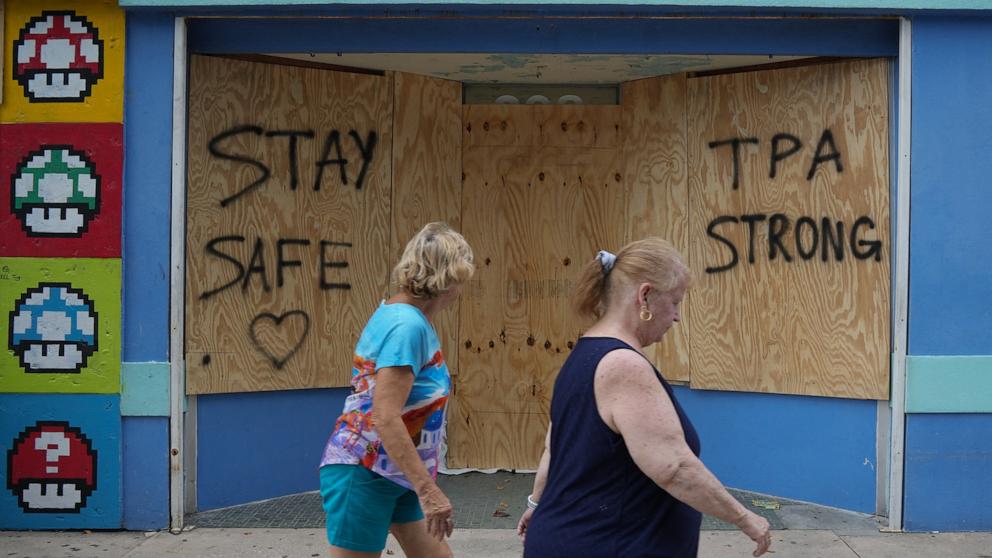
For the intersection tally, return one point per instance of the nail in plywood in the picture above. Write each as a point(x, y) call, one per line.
point(654, 136)
point(305, 260)
point(811, 158)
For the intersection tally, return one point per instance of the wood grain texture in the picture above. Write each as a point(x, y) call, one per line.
point(427, 181)
point(809, 327)
point(534, 212)
point(224, 351)
point(654, 153)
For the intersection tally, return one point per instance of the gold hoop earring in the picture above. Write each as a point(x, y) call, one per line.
point(646, 315)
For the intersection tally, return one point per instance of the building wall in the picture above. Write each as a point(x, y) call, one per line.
point(261, 445)
point(61, 154)
point(949, 381)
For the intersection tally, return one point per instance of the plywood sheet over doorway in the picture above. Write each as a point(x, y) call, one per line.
point(804, 203)
point(543, 191)
point(253, 129)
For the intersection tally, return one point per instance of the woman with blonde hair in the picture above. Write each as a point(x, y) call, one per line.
point(620, 474)
point(380, 463)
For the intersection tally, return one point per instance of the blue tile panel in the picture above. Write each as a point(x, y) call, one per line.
point(949, 384)
point(948, 472)
point(145, 389)
point(145, 475)
point(62, 453)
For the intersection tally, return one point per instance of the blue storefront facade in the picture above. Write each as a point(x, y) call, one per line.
point(922, 458)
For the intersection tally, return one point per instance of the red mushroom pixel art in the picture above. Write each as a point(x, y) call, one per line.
point(51, 468)
point(58, 57)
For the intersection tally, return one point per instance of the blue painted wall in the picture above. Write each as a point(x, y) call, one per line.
point(825, 37)
point(948, 480)
point(147, 185)
point(145, 477)
point(252, 446)
point(950, 281)
point(815, 449)
point(948, 472)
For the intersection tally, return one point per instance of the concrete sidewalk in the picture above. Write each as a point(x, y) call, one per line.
point(468, 543)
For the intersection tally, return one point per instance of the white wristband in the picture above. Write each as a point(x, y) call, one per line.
point(530, 502)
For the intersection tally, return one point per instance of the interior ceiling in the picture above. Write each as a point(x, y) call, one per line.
point(538, 68)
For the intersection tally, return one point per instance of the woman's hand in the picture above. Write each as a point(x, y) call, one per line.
point(757, 527)
point(523, 524)
point(437, 512)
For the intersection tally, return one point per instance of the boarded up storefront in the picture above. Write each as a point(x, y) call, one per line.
point(304, 184)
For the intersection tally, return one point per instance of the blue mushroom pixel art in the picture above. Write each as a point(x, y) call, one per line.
point(53, 329)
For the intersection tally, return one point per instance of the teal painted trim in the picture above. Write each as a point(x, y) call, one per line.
point(949, 384)
point(844, 4)
point(145, 389)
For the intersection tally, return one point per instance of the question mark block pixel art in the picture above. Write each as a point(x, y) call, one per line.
point(60, 463)
point(64, 61)
point(61, 325)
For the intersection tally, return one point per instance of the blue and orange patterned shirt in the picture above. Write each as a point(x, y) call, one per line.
point(396, 335)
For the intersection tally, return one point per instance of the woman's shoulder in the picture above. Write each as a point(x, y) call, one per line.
point(623, 365)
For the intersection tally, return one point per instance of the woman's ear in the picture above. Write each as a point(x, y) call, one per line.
point(642, 293)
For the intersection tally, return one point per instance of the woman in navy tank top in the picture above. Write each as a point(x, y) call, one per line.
point(620, 475)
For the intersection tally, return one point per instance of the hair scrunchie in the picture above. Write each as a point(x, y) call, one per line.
point(606, 260)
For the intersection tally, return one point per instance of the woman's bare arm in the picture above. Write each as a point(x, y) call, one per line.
point(392, 389)
point(633, 403)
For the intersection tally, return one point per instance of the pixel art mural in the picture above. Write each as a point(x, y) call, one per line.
point(66, 61)
point(55, 191)
point(61, 461)
point(53, 329)
point(63, 190)
point(61, 159)
point(58, 57)
point(61, 325)
point(51, 468)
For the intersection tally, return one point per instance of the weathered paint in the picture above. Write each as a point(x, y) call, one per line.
point(145, 389)
point(102, 100)
point(97, 418)
point(99, 281)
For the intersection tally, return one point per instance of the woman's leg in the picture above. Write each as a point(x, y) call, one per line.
point(417, 543)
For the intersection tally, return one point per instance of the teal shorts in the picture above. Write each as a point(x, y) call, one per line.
point(361, 505)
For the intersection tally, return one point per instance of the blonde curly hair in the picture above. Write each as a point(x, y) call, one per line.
point(434, 260)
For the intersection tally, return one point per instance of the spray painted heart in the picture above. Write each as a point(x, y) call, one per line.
point(270, 348)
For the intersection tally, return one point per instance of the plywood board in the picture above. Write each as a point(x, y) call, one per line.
point(534, 212)
point(256, 320)
point(654, 135)
point(811, 153)
point(427, 181)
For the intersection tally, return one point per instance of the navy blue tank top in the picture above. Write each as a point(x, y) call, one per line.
point(596, 502)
